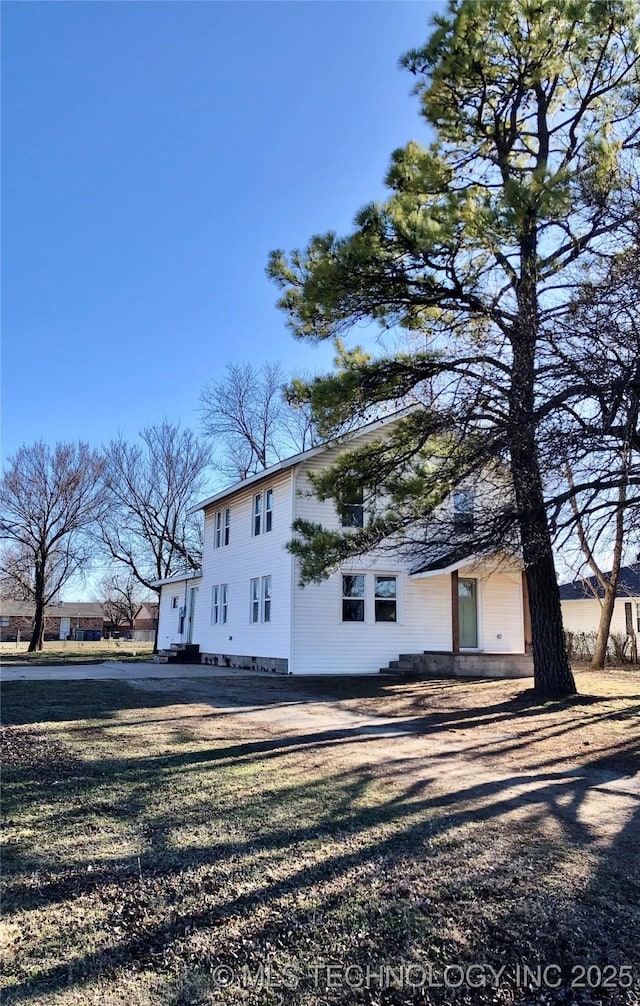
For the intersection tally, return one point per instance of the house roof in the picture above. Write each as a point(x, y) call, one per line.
point(178, 578)
point(63, 609)
point(295, 459)
point(588, 587)
point(148, 609)
point(446, 562)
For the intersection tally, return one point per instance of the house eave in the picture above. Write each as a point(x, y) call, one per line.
point(178, 578)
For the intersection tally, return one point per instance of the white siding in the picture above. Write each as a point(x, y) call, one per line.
point(501, 613)
point(584, 616)
point(323, 643)
point(306, 626)
point(236, 564)
point(169, 617)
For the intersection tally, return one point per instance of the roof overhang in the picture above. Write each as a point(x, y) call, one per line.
point(178, 578)
point(435, 570)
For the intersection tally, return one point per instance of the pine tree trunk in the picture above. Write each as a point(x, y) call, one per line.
point(552, 673)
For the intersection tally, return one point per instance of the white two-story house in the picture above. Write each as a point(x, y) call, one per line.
point(246, 607)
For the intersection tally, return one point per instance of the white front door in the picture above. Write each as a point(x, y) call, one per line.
point(468, 612)
point(65, 627)
point(190, 612)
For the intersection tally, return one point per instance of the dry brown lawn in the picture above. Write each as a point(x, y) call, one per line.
point(165, 842)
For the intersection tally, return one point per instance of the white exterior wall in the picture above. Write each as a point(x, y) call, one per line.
point(169, 617)
point(584, 616)
point(306, 626)
point(245, 557)
point(500, 611)
point(323, 643)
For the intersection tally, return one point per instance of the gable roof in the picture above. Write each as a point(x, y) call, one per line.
point(588, 587)
point(295, 459)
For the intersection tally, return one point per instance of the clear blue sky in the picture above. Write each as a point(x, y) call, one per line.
point(153, 154)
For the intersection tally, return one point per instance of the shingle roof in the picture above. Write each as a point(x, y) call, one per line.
point(588, 587)
point(65, 609)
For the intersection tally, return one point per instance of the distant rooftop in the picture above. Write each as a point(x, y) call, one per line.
point(588, 587)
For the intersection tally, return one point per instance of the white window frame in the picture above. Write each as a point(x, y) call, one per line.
point(227, 526)
point(262, 512)
point(377, 597)
point(352, 514)
point(265, 606)
point(256, 515)
point(175, 601)
point(224, 603)
point(215, 604)
point(217, 535)
point(254, 602)
point(350, 597)
point(463, 503)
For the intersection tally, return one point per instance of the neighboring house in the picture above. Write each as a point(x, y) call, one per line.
point(142, 629)
point(581, 603)
point(145, 622)
point(245, 608)
point(64, 620)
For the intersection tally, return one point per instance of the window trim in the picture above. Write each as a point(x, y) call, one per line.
point(215, 604)
point(224, 603)
point(463, 503)
point(268, 510)
point(352, 514)
point(227, 526)
point(265, 598)
point(256, 515)
point(254, 600)
point(383, 599)
point(360, 599)
point(369, 596)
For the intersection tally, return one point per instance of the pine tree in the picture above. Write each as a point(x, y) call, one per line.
point(528, 184)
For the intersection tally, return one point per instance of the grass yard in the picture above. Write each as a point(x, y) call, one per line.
point(164, 848)
point(72, 652)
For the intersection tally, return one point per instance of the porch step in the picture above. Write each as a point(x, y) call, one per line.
point(180, 653)
point(413, 665)
point(460, 665)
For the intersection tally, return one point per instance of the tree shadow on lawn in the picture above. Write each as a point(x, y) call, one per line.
point(325, 868)
point(31, 702)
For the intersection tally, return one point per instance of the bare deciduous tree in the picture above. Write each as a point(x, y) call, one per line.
point(150, 486)
point(248, 414)
point(119, 594)
point(49, 502)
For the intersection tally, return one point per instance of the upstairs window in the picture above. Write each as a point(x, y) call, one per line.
point(352, 514)
point(262, 512)
point(175, 601)
point(257, 514)
point(353, 598)
point(222, 528)
point(385, 597)
point(463, 503)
